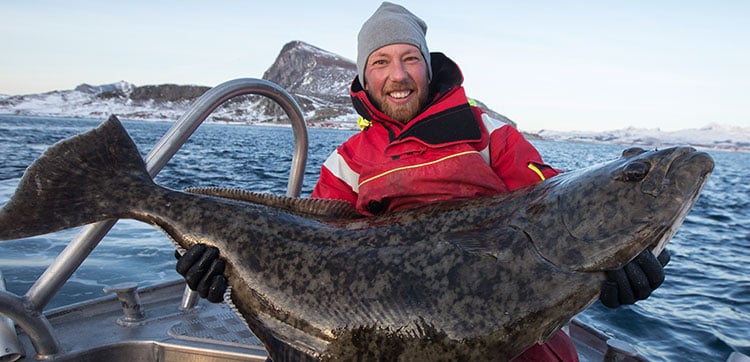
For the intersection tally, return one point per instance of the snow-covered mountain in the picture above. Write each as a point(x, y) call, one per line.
point(319, 81)
point(86, 101)
point(713, 136)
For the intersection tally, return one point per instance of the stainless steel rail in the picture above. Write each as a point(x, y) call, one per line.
point(27, 310)
point(10, 347)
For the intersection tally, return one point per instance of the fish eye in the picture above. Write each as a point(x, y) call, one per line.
point(635, 171)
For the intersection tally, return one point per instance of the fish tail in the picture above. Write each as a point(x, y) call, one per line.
point(75, 182)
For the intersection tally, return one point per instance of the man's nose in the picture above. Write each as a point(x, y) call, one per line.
point(398, 72)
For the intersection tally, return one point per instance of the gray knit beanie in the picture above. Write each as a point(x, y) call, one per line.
point(390, 24)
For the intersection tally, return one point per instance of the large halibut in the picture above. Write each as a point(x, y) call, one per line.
point(478, 279)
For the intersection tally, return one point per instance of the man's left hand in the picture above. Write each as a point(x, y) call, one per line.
point(635, 281)
point(203, 271)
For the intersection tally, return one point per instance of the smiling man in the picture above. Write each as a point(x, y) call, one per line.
point(422, 140)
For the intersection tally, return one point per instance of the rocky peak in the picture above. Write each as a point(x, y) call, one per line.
point(304, 69)
point(319, 81)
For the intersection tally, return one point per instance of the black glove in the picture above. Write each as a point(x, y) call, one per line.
point(635, 281)
point(203, 271)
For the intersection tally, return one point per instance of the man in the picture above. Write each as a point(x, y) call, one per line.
point(423, 142)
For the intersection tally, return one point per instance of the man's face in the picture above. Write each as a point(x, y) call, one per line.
point(396, 81)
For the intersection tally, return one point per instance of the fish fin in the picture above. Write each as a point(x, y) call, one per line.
point(320, 209)
point(475, 244)
point(73, 183)
point(495, 242)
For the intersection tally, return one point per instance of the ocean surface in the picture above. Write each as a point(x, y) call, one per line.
point(701, 312)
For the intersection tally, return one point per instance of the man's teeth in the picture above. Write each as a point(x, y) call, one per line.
point(400, 94)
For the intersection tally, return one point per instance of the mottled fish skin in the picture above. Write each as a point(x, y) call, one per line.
point(478, 279)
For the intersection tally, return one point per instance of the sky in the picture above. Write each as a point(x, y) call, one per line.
point(546, 64)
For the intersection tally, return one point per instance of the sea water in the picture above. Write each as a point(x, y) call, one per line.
point(700, 313)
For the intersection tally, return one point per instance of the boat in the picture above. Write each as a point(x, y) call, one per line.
point(168, 321)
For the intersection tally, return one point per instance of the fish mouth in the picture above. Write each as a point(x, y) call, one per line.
point(689, 171)
point(699, 162)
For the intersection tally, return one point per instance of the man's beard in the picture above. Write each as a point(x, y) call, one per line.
point(401, 112)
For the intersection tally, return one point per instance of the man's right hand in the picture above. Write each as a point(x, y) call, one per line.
point(203, 271)
point(636, 281)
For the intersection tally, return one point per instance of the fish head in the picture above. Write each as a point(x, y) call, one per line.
point(609, 213)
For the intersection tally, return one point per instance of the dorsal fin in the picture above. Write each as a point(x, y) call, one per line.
point(320, 209)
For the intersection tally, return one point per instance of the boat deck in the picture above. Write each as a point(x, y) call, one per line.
point(95, 331)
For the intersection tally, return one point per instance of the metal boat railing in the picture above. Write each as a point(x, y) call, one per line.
point(26, 311)
point(10, 347)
